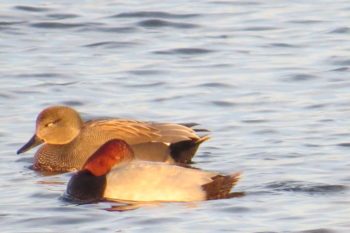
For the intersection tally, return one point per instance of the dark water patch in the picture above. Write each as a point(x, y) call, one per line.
point(40, 75)
point(306, 21)
point(116, 29)
point(155, 23)
point(292, 155)
point(344, 144)
point(111, 44)
point(301, 77)
point(312, 145)
point(45, 195)
point(283, 45)
point(326, 120)
point(317, 230)
point(265, 131)
point(185, 51)
point(341, 30)
point(254, 121)
point(340, 61)
point(31, 8)
point(237, 3)
point(221, 65)
point(341, 69)
point(158, 220)
point(153, 14)
point(29, 92)
point(162, 99)
point(73, 103)
point(259, 28)
point(46, 75)
point(223, 103)
point(154, 84)
point(56, 25)
point(146, 72)
point(236, 209)
point(189, 124)
point(316, 106)
point(24, 159)
point(49, 84)
point(5, 96)
point(216, 85)
point(304, 187)
point(62, 16)
point(35, 222)
point(7, 23)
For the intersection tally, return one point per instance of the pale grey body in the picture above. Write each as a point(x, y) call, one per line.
point(151, 181)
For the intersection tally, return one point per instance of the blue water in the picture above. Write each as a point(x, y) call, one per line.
point(269, 79)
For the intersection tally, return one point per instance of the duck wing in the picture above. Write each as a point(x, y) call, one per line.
point(135, 132)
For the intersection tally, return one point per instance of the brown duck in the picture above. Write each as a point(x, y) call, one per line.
point(69, 140)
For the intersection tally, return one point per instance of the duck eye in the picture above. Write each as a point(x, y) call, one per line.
point(50, 124)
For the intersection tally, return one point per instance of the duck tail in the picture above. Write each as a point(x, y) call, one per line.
point(221, 186)
point(183, 151)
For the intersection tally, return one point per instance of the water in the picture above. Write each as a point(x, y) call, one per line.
point(269, 79)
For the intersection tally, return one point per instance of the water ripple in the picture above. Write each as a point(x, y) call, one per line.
point(146, 72)
point(283, 45)
point(302, 77)
point(72, 103)
point(185, 51)
point(153, 14)
point(38, 75)
point(49, 84)
point(6, 23)
point(115, 29)
point(306, 21)
point(341, 61)
point(111, 44)
point(341, 30)
point(223, 103)
point(254, 121)
point(62, 16)
point(344, 144)
point(341, 69)
point(56, 25)
point(31, 8)
point(316, 106)
point(237, 3)
point(154, 23)
point(259, 28)
point(305, 187)
point(216, 85)
point(153, 84)
point(317, 230)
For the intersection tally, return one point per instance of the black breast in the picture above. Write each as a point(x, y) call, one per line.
point(85, 186)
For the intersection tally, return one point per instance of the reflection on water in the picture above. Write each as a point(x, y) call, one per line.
point(268, 79)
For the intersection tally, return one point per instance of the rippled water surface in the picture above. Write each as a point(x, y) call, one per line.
point(269, 79)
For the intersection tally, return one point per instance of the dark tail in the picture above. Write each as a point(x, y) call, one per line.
point(221, 186)
point(183, 151)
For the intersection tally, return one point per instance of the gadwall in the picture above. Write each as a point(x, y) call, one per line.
point(69, 140)
point(113, 173)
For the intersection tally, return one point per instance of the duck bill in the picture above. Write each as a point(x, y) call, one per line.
point(33, 142)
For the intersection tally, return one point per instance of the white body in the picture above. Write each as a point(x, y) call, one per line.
point(140, 180)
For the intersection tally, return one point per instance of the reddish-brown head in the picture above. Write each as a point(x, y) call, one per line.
point(112, 152)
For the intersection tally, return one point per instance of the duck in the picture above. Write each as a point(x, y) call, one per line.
point(113, 173)
point(68, 140)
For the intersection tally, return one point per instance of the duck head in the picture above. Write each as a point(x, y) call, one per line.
point(55, 125)
point(89, 183)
